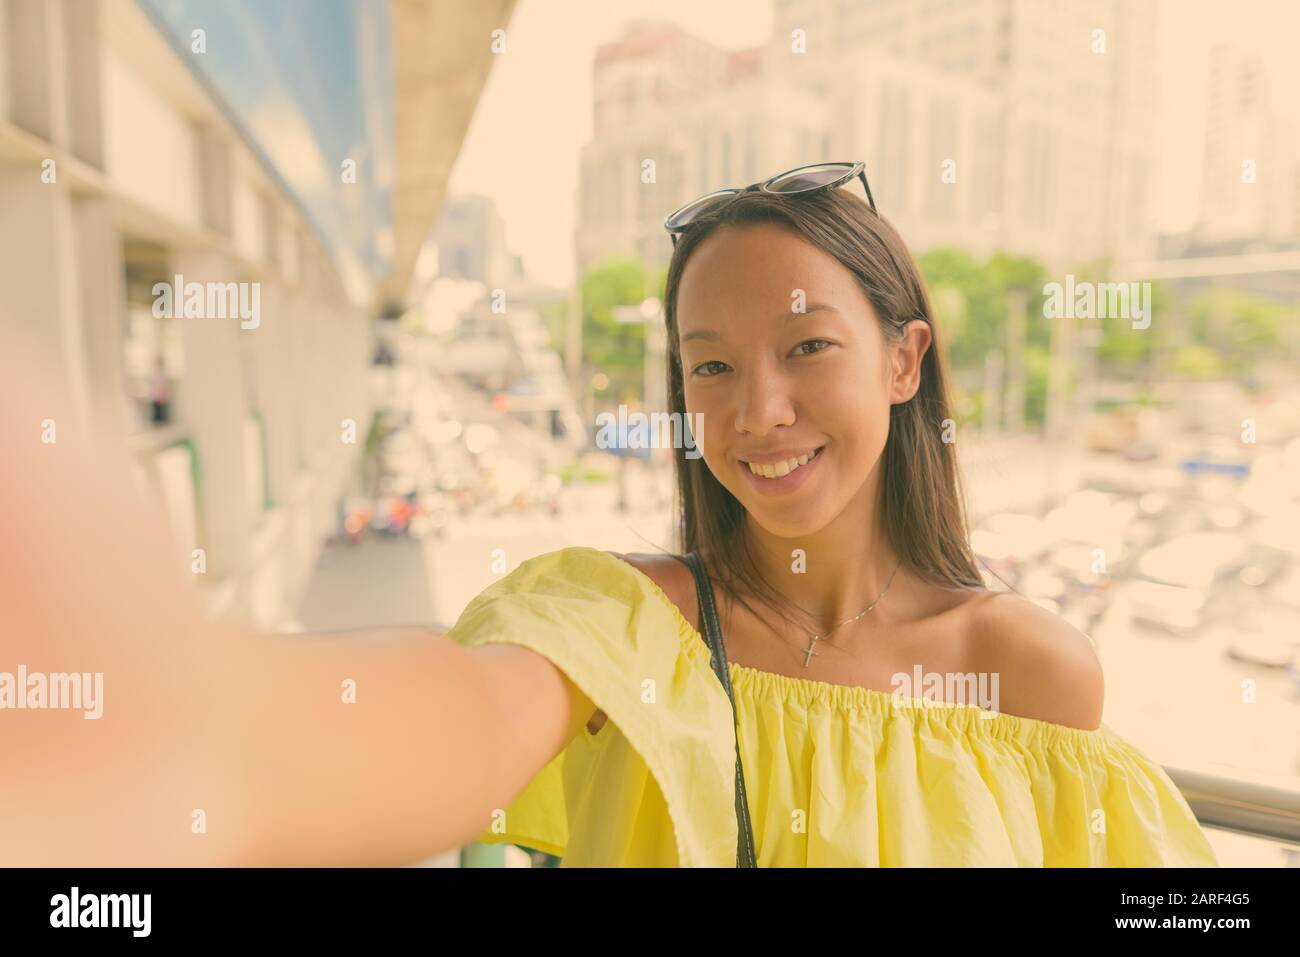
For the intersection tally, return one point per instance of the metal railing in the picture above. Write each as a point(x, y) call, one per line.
point(1238, 803)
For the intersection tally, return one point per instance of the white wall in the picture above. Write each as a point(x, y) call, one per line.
point(150, 150)
point(248, 232)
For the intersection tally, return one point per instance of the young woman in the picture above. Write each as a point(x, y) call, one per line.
point(827, 512)
point(576, 706)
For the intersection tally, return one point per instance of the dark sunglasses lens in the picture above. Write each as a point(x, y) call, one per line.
point(688, 214)
point(812, 177)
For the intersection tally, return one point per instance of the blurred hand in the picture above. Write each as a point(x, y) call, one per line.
point(90, 583)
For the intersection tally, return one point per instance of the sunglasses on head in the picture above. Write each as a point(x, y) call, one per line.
point(793, 182)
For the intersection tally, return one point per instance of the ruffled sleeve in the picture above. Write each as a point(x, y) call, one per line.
point(655, 785)
point(876, 780)
point(1103, 803)
point(1076, 798)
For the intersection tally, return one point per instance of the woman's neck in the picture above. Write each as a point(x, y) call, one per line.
point(835, 573)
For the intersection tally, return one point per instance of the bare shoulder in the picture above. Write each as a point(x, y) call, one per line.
point(673, 578)
point(1047, 668)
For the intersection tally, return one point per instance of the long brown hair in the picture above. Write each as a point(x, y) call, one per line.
point(922, 498)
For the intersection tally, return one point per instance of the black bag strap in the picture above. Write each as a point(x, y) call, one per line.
point(718, 657)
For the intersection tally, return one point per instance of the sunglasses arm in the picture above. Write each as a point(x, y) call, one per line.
point(862, 175)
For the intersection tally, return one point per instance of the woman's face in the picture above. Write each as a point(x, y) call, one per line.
point(784, 356)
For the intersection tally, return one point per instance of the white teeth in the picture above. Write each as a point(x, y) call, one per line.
point(779, 469)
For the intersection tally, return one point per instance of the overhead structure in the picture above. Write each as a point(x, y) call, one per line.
point(442, 55)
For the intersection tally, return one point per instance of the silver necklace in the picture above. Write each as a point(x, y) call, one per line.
point(808, 652)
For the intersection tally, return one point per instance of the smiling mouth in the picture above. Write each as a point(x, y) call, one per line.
point(781, 469)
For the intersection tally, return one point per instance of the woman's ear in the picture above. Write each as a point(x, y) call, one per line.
point(906, 355)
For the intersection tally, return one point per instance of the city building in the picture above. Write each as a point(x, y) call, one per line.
point(1249, 184)
point(969, 116)
point(674, 118)
point(470, 237)
point(1071, 89)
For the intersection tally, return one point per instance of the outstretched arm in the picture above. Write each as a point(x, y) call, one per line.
point(215, 745)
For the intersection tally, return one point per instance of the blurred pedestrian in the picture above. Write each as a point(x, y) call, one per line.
point(159, 394)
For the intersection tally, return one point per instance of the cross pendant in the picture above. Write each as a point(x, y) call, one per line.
point(808, 652)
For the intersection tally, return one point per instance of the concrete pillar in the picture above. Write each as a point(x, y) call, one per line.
point(37, 71)
point(317, 423)
point(362, 324)
point(101, 304)
point(345, 346)
point(211, 407)
point(215, 177)
point(81, 44)
point(38, 284)
point(276, 389)
point(303, 383)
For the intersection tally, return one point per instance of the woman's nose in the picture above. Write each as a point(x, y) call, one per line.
point(764, 403)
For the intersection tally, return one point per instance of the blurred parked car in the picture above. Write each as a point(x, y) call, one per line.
point(1130, 430)
point(1174, 579)
point(1270, 637)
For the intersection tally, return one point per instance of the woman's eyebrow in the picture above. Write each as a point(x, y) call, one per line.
point(712, 336)
point(811, 308)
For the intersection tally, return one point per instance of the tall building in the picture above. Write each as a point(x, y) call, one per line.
point(676, 117)
point(1060, 152)
point(471, 239)
point(1249, 190)
point(988, 124)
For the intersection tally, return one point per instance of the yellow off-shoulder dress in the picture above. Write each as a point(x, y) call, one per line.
point(835, 775)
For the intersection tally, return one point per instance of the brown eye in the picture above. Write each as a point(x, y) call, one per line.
point(810, 342)
point(705, 365)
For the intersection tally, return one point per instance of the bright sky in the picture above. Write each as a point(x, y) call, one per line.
point(522, 147)
point(535, 114)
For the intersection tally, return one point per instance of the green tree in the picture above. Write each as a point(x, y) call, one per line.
point(1196, 361)
point(609, 346)
point(1124, 351)
point(970, 299)
point(1237, 326)
point(969, 308)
